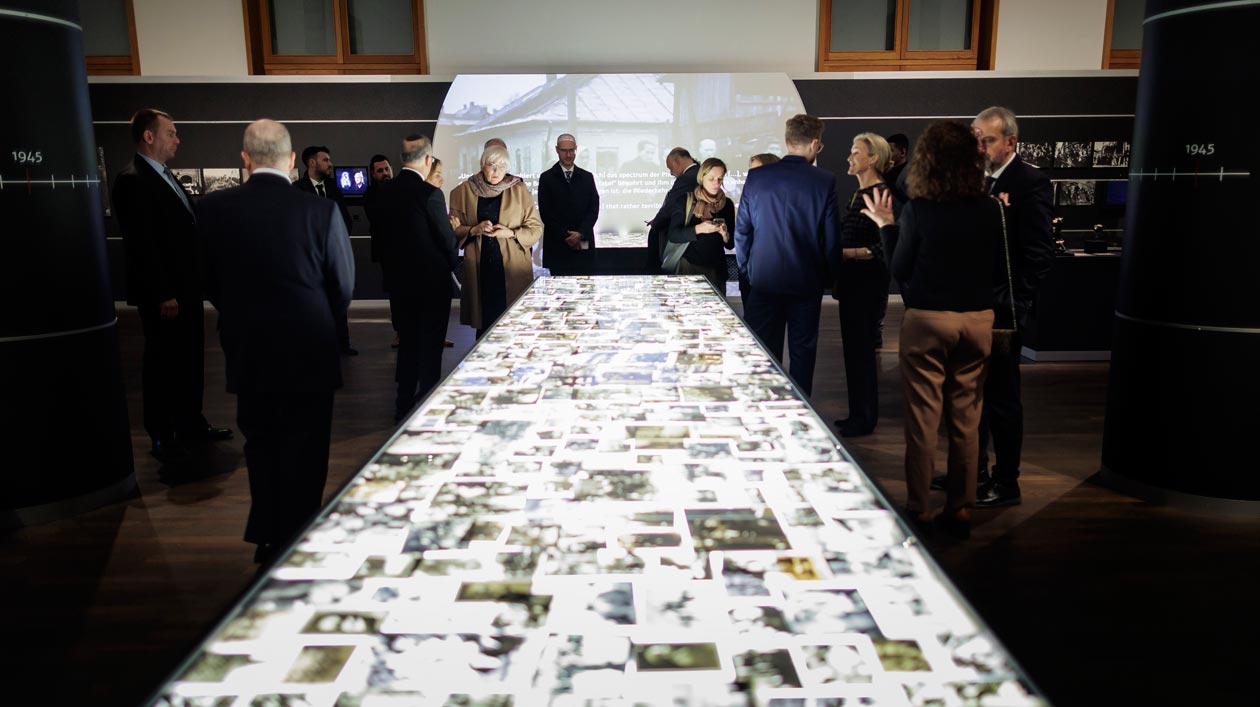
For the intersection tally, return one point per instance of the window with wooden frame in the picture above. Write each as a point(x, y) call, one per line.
point(335, 36)
point(906, 35)
point(1122, 39)
point(109, 37)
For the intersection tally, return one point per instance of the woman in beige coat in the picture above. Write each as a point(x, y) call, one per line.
point(503, 228)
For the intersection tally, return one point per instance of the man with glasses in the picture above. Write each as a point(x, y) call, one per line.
point(787, 245)
point(568, 202)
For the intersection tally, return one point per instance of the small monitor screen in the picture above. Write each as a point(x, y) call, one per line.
point(1117, 193)
point(352, 180)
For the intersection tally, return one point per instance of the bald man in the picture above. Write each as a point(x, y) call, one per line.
point(569, 205)
point(279, 270)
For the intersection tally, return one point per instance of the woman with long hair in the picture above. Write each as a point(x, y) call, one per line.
point(949, 254)
point(702, 220)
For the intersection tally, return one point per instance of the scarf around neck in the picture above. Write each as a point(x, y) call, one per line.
point(707, 206)
point(485, 190)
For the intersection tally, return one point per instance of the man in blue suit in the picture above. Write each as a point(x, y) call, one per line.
point(279, 270)
point(787, 246)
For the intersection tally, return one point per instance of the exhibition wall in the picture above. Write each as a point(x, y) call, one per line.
point(360, 116)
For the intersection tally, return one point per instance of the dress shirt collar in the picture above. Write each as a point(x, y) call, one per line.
point(998, 172)
point(161, 168)
point(412, 169)
point(313, 182)
point(270, 170)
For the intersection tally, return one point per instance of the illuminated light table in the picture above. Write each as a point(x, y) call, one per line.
point(617, 498)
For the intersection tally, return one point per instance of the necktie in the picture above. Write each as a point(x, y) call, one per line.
point(568, 175)
point(988, 183)
point(319, 189)
point(183, 195)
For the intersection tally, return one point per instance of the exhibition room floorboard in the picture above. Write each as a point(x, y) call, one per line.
point(1106, 600)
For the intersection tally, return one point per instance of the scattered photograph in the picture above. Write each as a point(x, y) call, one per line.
point(736, 529)
point(218, 179)
point(1111, 154)
point(1071, 155)
point(1037, 154)
point(319, 664)
point(835, 664)
point(1075, 192)
point(758, 670)
point(676, 656)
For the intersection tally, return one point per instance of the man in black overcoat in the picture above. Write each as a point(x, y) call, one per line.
point(279, 269)
point(569, 205)
point(683, 168)
point(418, 254)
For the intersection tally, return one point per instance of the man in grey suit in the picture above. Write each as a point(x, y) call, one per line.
point(278, 269)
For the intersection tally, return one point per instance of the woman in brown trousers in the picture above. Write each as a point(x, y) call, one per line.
point(948, 256)
point(503, 227)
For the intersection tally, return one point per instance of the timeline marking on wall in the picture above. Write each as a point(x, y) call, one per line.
point(52, 181)
point(1220, 174)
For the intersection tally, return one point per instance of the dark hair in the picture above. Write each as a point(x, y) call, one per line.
point(680, 153)
point(947, 164)
point(309, 153)
point(765, 158)
point(802, 129)
point(143, 120)
point(376, 158)
point(899, 139)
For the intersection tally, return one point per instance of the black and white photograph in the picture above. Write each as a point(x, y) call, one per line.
point(218, 179)
point(1111, 154)
point(653, 657)
point(1074, 192)
point(189, 179)
point(1037, 154)
point(1071, 155)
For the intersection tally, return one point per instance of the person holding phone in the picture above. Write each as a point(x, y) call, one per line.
point(700, 222)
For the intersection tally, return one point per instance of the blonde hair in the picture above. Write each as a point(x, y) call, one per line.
point(494, 153)
point(876, 145)
point(708, 166)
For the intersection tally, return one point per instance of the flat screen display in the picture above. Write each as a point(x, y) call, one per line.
point(352, 180)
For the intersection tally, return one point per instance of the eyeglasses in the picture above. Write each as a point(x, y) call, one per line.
point(497, 166)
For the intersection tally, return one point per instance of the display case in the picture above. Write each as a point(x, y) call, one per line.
point(617, 498)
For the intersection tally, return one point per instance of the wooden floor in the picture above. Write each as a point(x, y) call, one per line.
point(1106, 600)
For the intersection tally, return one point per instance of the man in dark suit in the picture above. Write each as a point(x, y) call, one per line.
point(158, 222)
point(683, 169)
point(1030, 196)
point(787, 245)
point(279, 269)
point(569, 203)
point(418, 254)
point(319, 181)
point(379, 172)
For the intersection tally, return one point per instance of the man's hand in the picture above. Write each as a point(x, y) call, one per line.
point(1005, 198)
point(168, 309)
point(573, 240)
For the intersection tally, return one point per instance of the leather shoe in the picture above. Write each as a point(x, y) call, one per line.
point(395, 343)
point(168, 451)
point(998, 494)
point(265, 553)
point(955, 524)
point(209, 433)
point(846, 428)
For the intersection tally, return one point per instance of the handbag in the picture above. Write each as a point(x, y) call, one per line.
point(673, 253)
point(1004, 339)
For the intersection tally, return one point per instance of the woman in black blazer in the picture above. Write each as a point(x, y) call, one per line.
point(948, 255)
point(703, 218)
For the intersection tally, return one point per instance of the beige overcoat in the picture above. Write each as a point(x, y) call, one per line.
point(517, 213)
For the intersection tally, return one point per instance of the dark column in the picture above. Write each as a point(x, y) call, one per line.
point(64, 439)
point(1183, 408)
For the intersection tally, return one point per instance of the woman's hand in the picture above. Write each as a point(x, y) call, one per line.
point(481, 229)
point(501, 231)
point(879, 208)
point(707, 227)
point(455, 224)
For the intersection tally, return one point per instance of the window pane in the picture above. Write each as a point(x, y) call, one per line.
point(105, 30)
point(380, 27)
point(1126, 24)
point(940, 25)
point(862, 25)
point(302, 27)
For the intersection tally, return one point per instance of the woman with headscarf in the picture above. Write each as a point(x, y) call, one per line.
point(701, 221)
point(502, 228)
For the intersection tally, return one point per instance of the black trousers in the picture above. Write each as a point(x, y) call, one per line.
point(769, 314)
point(286, 450)
point(862, 290)
point(1003, 415)
point(342, 320)
point(421, 322)
point(172, 369)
